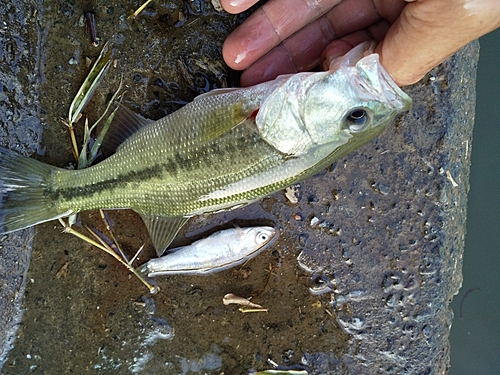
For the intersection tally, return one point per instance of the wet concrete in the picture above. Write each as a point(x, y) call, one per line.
point(381, 231)
point(20, 130)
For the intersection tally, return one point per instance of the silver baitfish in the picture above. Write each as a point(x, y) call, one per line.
point(220, 251)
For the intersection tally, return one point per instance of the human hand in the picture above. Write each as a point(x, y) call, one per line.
point(414, 36)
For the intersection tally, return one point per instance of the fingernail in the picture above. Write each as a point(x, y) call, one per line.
point(238, 6)
point(239, 3)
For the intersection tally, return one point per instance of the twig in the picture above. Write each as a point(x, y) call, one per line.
point(139, 10)
point(105, 247)
point(115, 242)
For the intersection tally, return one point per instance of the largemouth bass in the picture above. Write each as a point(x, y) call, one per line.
point(225, 149)
point(220, 251)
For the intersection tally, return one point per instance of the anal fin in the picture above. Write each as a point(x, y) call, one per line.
point(162, 229)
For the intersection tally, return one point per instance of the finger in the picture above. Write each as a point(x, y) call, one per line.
point(354, 32)
point(390, 9)
point(344, 44)
point(303, 49)
point(237, 6)
point(405, 53)
point(298, 53)
point(428, 32)
point(269, 26)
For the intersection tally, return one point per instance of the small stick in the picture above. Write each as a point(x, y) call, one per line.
point(92, 27)
point(110, 251)
point(139, 10)
point(245, 310)
point(74, 145)
point(104, 247)
point(136, 255)
point(108, 227)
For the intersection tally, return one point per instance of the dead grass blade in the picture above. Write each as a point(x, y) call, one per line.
point(86, 91)
point(106, 248)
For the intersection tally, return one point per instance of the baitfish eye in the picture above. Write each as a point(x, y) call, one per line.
point(262, 237)
point(357, 120)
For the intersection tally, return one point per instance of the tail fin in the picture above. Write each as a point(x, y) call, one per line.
point(25, 187)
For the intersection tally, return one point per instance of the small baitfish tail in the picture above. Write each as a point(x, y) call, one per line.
point(25, 192)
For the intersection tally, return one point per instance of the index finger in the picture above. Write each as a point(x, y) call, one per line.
point(269, 26)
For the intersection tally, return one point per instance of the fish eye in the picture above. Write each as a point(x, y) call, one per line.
point(262, 237)
point(357, 120)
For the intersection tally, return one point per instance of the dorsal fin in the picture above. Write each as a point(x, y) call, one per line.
point(217, 92)
point(124, 124)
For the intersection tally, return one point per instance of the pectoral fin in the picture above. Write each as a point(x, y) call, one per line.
point(162, 229)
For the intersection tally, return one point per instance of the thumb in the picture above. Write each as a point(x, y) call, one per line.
point(429, 31)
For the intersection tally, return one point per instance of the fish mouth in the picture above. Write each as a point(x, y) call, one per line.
point(381, 85)
point(370, 79)
point(392, 92)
